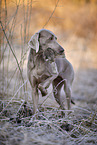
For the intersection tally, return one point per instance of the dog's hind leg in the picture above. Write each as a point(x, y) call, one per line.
point(57, 85)
point(68, 93)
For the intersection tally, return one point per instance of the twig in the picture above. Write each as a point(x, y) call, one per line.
point(13, 96)
point(51, 14)
point(12, 53)
point(13, 23)
point(83, 109)
point(22, 59)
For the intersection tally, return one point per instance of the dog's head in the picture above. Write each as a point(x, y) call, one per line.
point(43, 40)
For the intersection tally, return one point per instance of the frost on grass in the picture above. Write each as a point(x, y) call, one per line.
point(50, 126)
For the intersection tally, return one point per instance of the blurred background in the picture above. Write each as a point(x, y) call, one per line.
point(74, 22)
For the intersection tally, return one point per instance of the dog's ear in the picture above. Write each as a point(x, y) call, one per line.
point(34, 42)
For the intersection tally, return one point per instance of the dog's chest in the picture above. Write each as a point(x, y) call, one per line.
point(40, 68)
point(48, 68)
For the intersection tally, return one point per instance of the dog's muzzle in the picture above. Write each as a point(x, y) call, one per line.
point(61, 50)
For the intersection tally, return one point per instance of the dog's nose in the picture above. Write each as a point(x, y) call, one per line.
point(61, 50)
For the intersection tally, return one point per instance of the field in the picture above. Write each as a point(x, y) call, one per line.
point(75, 25)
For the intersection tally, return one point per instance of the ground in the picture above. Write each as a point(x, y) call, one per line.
point(77, 127)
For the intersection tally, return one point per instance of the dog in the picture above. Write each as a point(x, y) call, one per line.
point(47, 64)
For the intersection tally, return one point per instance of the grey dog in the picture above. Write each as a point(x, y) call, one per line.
point(47, 64)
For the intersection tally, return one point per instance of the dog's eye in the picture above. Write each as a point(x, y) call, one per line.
point(51, 38)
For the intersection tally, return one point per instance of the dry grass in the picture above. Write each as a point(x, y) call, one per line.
point(78, 126)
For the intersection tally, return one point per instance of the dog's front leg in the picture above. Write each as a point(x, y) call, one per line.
point(47, 82)
point(53, 74)
point(35, 99)
point(44, 85)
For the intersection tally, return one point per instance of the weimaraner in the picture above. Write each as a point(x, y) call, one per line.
point(47, 64)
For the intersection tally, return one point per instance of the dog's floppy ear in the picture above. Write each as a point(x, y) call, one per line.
point(34, 42)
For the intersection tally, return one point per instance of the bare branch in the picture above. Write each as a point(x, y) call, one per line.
point(51, 13)
point(12, 52)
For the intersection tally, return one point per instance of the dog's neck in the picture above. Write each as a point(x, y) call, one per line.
point(39, 56)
